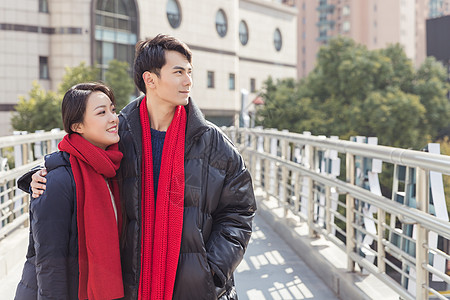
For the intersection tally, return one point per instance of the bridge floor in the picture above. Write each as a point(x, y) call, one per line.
point(270, 269)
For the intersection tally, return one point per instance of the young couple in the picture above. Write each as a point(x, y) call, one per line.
point(154, 204)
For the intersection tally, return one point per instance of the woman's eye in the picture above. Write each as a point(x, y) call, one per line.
point(101, 112)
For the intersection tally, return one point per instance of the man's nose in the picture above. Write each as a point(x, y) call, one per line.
point(188, 80)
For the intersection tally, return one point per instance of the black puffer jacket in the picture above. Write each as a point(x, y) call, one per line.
point(51, 268)
point(219, 206)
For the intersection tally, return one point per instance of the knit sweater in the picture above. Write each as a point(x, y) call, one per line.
point(157, 150)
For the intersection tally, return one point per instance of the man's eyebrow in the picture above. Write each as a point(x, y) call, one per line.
point(181, 68)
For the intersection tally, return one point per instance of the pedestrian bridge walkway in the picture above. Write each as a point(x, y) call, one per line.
point(270, 269)
point(323, 229)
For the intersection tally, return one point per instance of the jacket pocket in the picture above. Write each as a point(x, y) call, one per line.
point(194, 279)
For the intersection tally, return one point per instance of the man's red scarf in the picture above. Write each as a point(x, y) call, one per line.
point(162, 222)
point(100, 269)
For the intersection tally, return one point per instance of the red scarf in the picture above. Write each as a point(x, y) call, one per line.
point(100, 274)
point(162, 225)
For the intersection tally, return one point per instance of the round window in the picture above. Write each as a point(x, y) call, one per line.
point(243, 33)
point(221, 23)
point(173, 13)
point(277, 40)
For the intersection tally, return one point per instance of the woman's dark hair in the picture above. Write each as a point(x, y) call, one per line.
point(151, 56)
point(74, 102)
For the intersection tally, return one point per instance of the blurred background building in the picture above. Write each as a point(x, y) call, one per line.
point(236, 44)
point(373, 23)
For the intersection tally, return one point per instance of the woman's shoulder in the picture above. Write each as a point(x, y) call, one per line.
point(57, 159)
point(59, 170)
point(60, 193)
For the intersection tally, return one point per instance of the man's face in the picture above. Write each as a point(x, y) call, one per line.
point(175, 80)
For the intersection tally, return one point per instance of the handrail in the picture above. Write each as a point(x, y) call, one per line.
point(430, 222)
point(425, 160)
point(294, 168)
point(24, 152)
point(13, 140)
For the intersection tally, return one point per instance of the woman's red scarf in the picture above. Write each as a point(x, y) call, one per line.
point(162, 222)
point(100, 269)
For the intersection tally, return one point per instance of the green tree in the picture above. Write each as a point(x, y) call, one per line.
point(432, 87)
point(402, 67)
point(389, 114)
point(42, 110)
point(355, 91)
point(119, 80)
point(445, 149)
point(78, 74)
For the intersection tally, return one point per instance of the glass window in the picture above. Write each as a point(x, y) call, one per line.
point(243, 33)
point(231, 81)
point(43, 6)
point(221, 23)
point(43, 67)
point(115, 32)
point(346, 10)
point(277, 40)
point(252, 85)
point(173, 13)
point(346, 26)
point(210, 80)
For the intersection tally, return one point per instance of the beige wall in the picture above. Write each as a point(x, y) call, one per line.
point(19, 53)
point(68, 50)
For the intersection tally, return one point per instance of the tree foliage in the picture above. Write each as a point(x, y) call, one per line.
point(445, 149)
point(40, 111)
point(78, 74)
point(354, 91)
point(119, 80)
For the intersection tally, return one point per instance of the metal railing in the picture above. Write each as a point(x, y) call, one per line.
point(18, 154)
point(401, 243)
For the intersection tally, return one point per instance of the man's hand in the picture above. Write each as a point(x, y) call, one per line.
point(38, 183)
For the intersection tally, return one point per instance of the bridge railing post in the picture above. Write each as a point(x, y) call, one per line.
point(284, 176)
point(422, 235)
point(309, 152)
point(328, 208)
point(350, 216)
point(381, 253)
point(253, 157)
point(267, 165)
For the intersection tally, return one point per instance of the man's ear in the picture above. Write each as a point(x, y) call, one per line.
point(149, 79)
point(77, 127)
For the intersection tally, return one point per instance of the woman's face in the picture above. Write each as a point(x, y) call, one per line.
point(100, 124)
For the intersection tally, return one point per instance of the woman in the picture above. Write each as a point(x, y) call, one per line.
point(73, 251)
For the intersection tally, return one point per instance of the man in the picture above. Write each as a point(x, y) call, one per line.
point(187, 194)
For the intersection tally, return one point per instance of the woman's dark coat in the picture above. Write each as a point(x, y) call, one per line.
point(219, 206)
point(51, 268)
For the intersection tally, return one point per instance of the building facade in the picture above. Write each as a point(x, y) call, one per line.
point(236, 44)
point(373, 23)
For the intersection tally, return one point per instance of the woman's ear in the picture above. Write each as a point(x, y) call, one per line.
point(77, 127)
